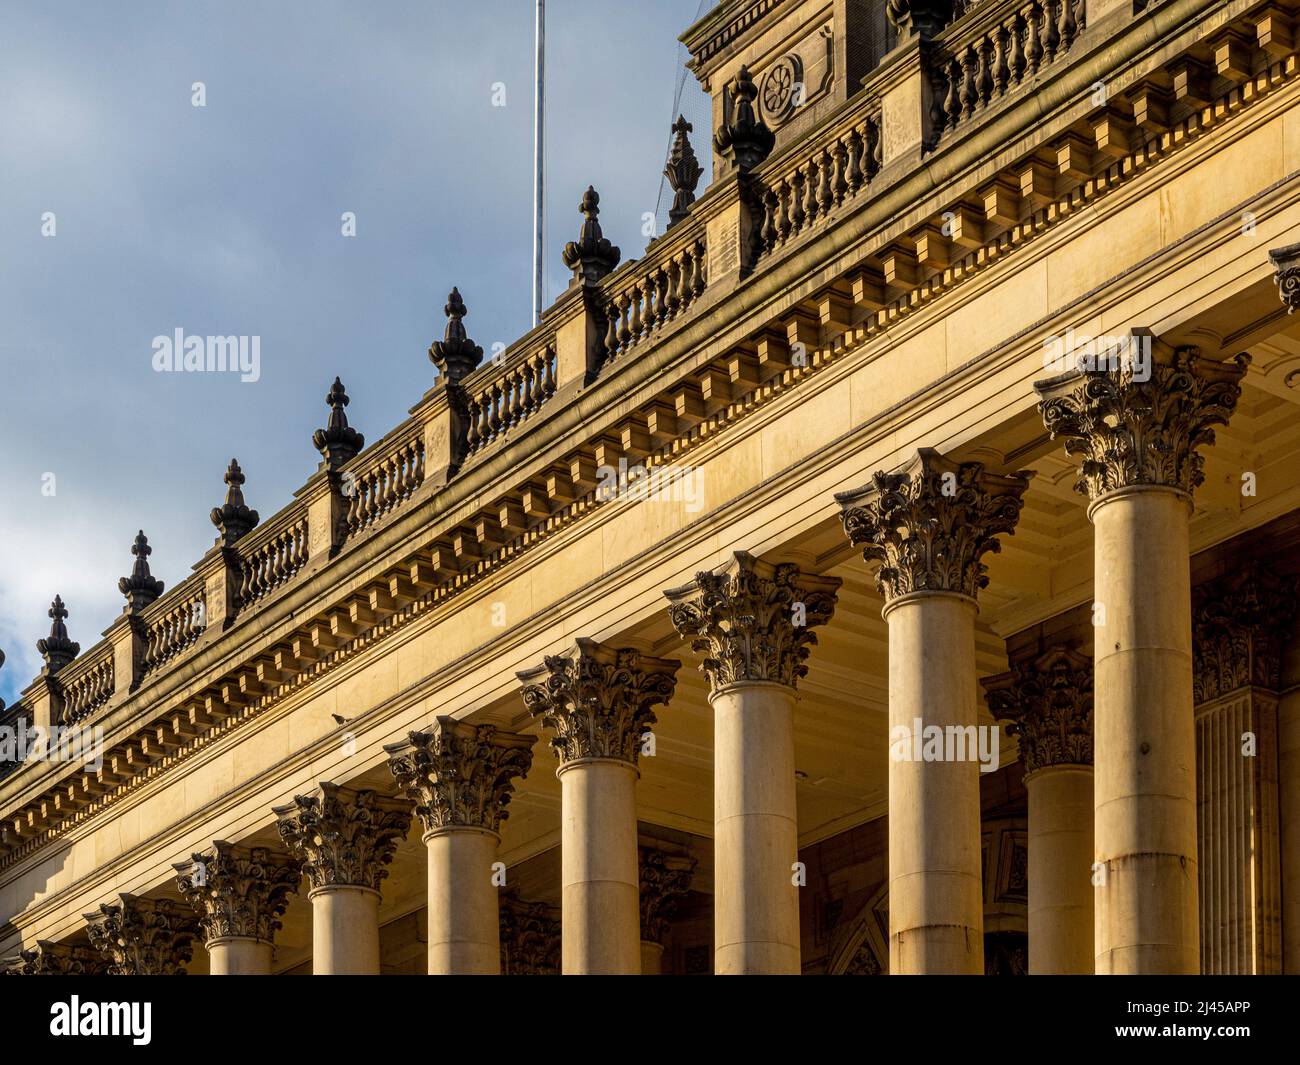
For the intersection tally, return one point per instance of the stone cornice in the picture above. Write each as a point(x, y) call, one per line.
point(931, 525)
point(238, 891)
point(344, 837)
point(1048, 702)
point(143, 937)
point(598, 699)
point(460, 775)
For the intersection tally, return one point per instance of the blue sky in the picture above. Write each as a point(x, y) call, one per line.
point(225, 219)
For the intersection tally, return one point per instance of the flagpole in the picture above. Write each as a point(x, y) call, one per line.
point(539, 151)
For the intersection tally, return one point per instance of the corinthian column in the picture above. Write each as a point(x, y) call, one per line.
point(598, 700)
point(344, 839)
point(754, 621)
point(930, 526)
point(1138, 425)
point(143, 937)
point(460, 777)
point(1048, 701)
point(240, 895)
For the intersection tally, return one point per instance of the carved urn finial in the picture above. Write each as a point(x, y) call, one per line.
point(683, 171)
point(338, 441)
point(141, 588)
point(920, 18)
point(56, 648)
point(746, 140)
point(591, 256)
point(233, 519)
point(455, 355)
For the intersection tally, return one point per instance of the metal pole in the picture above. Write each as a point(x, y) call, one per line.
point(539, 151)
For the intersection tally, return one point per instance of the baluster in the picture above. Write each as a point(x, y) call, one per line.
point(810, 211)
point(624, 329)
point(635, 324)
point(1052, 36)
point(784, 221)
point(1069, 24)
point(825, 187)
point(1001, 73)
point(1018, 62)
point(550, 373)
point(1033, 47)
point(985, 49)
point(952, 102)
point(969, 93)
point(700, 278)
point(611, 329)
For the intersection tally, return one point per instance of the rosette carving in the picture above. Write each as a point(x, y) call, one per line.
point(239, 891)
point(343, 837)
point(1132, 432)
point(598, 699)
point(1048, 702)
point(753, 620)
point(931, 526)
point(460, 775)
point(143, 937)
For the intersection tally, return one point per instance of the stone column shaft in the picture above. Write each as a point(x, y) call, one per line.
point(344, 931)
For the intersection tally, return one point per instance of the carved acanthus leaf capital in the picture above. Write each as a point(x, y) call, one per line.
point(665, 880)
point(1286, 272)
point(1240, 625)
point(143, 937)
point(56, 959)
point(598, 699)
point(1138, 415)
point(343, 837)
point(460, 775)
point(530, 938)
point(239, 891)
point(931, 525)
point(753, 620)
point(1048, 702)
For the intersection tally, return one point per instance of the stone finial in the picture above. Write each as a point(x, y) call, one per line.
point(745, 141)
point(56, 959)
point(753, 620)
point(342, 836)
point(338, 441)
point(591, 256)
point(598, 699)
point(931, 525)
point(455, 355)
point(920, 18)
point(1240, 625)
point(141, 588)
point(665, 880)
point(683, 171)
point(56, 648)
point(1286, 273)
point(143, 937)
point(238, 891)
point(1048, 702)
point(233, 519)
point(460, 775)
point(1141, 422)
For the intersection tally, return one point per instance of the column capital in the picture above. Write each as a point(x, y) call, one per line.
point(344, 837)
point(665, 880)
point(931, 525)
point(238, 891)
point(1048, 702)
point(460, 775)
point(598, 699)
point(753, 620)
point(1240, 624)
point(56, 959)
point(530, 938)
point(1286, 274)
point(143, 937)
point(1139, 414)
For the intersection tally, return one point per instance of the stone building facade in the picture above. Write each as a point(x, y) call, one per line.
point(891, 570)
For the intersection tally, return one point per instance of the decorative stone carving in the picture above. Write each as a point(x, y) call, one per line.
point(931, 525)
point(683, 172)
point(1286, 267)
point(460, 775)
point(233, 519)
point(56, 648)
point(56, 959)
point(753, 620)
point(1132, 433)
point(597, 699)
point(143, 937)
point(239, 891)
point(141, 588)
point(665, 880)
point(745, 140)
point(591, 256)
point(455, 355)
point(921, 18)
point(781, 86)
point(338, 441)
point(1240, 625)
point(1048, 701)
point(342, 836)
point(530, 938)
